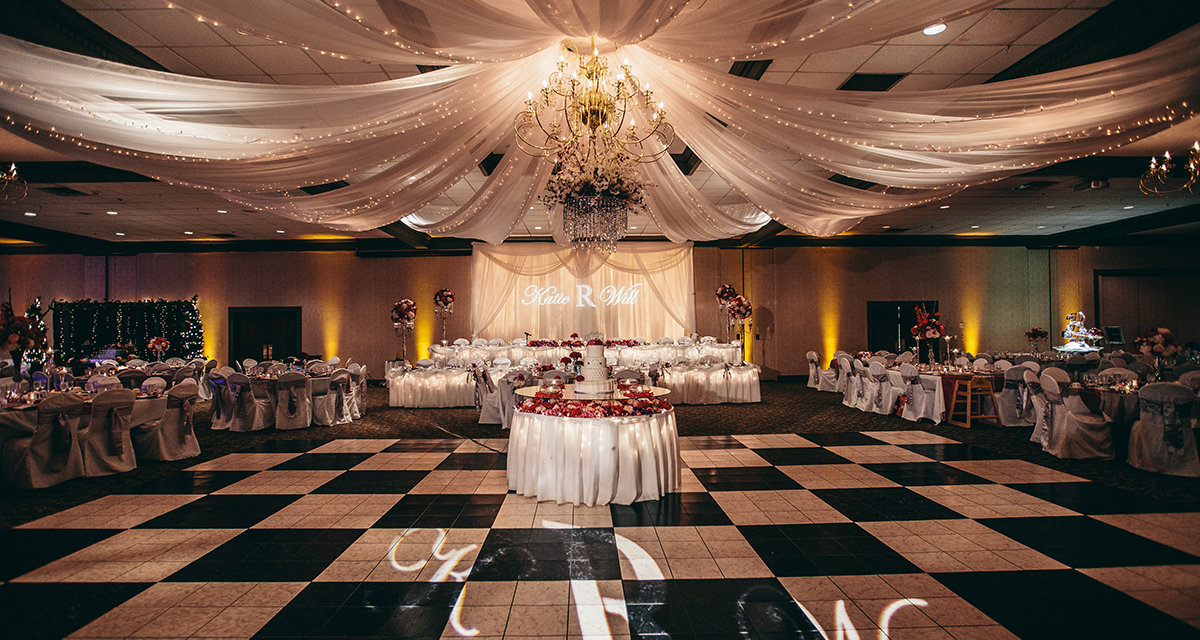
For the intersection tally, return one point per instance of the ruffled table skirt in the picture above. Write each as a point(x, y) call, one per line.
point(592, 462)
point(432, 388)
point(711, 385)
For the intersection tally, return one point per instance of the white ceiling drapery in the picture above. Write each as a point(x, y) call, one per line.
point(400, 144)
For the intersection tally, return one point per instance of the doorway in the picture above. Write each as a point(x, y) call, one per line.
point(264, 333)
point(889, 324)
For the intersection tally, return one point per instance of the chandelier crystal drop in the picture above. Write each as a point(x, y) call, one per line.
point(1154, 181)
point(585, 121)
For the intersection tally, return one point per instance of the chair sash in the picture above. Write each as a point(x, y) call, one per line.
point(1048, 416)
point(1023, 396)
point(338, 388)
point(911, 385)
point(60, 437)
point(118, 423)
point(243, 399)
point(879, 379)
point(1174, 416)
point(188, 406)
point(1028, 390)
point(293, 399)
point(217, 385)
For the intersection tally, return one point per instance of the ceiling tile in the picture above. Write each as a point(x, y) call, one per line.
point(1004, 26)
point(956, 58)
point(1054, 27)
point(218, 60)
point(844, 60)
point(174, 28)
point(120, 26)
point(280, 59)
point(897, 58)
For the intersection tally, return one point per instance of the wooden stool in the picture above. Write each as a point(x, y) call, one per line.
point(973, 392)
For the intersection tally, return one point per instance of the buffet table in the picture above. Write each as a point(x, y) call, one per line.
point(594, 461)
point(711, 385)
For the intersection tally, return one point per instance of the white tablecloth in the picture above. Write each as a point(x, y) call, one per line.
point(429, 388)
point(626, 356)
point(23, 422)
point(711, 385)
point(593, 461)
point(939, 397)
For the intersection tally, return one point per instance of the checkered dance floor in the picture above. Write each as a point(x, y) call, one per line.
point(901, 534)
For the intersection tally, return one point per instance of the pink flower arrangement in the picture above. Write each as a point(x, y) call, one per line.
point(725, 293)
point(404, 311)
point(1159, 343)
point(158, 344)
point(596, 341)
point(18, 332)
point(543, 343)
point(929, 325)
point(443, 298)
point(594, 408)
point(740, 308)
point(1036, 334)
point(613, 344)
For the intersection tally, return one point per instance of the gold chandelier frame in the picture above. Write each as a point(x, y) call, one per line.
point(1154, 181)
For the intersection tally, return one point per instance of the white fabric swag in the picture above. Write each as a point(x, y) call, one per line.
point(400, 144)
point(502, 278)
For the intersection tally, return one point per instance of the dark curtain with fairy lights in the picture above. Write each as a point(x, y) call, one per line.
point(84, 327)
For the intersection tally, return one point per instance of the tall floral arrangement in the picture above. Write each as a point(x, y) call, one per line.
point(19, 332)
point(1159, 343)
point(581, 172)
point(404, 311)
point(443, 298)
point(1037, 336)
point(929, 325)
point(725, 293)
point(740, 308)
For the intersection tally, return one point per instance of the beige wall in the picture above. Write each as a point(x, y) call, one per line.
point(804, 297)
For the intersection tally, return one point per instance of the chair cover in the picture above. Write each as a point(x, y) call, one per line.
point(322, 402)
point(519, 342)
point(962, 361)
point(424, 363)
point(342, 391)
point(528, 361)
point(1032, 365)
point(175, 362)
point(462, 342)
point(1162, 440)
point(818, 378)
point(102, 382)
point(1076, 365)
point(849, 381)
point(880, 359)
point(173, 437)
point(38, 380)
point(352, 368)
point(1002, 365)
point(881, 352)
point(890, 358)
point(905, 357)
point(136, 363)
point(685, 341)
point(1060, 376)
point(360, 391)
point(1119, 362)
point(51, 454)
point(1191, 380)
point(240, 410)
point(132, 378)
point(317, 368)
point(884, 401)
point(187, 372)
point(968, 355)
point(496, 342)
point(333, 362)
point(866, 387)
point(1013, 403)
point(501, 362)
point(555, 375)
point(839, 354)
point(154, 385)
point(293, 409)
point(1034, 386)
point(479, 342)
point(1074, 431)
point(986, 356)
point(1022, 359)
point(1140, 368)
point(488, 398)
point(105, 442)
point(206, 390)
point(455, 363)
point(1092, 356)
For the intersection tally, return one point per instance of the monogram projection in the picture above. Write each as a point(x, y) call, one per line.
point(609, 295)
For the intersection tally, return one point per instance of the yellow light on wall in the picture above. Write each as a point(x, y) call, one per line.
point(330, 327)
point(971, 308)
point(829, 279)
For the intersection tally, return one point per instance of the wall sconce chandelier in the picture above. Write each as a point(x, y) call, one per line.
point(586, 123)
point(1154, 181)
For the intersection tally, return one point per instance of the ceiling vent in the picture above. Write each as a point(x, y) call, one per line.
point(490, 163)
point(753, 69)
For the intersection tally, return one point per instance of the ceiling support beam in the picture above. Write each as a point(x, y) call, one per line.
point(1149, 222)
point(407, 235)
point(765, 232)
point(60, 239)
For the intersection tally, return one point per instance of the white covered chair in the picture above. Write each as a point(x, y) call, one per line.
point(1041, 429)
point(1032, 365)
point(867, 387)
point(884, 400)
point(206, 390)
point(1002, 365)
point(488, 398)
point(980, 364)
point(920, 395)
point(103, 383)
point(479, 342)
point(502, 363)
point(342, 390)
point(51, 454)
point(1191, 380)
point(241, 409)
point(1060, 376)
point(905, 357)
point(462, 342)
point(175, 362)
point(1162, 440)
point(962, 361)
point(360, 391)
point(293, 409)
point(424, 363)
point(1013, 403)
point(529, 361)
point(222, 403)
point(496, 342)
point(818, 378)
point(248, 365)
point(154, 385)
point(849, 381)
point(1073, 433)
point(105, 442)
point(173, 436)
point(186, 372)
point(1119, 374)
point(322, 402)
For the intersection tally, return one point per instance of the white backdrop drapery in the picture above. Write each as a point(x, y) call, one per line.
point(400, 144)
point(536, 288)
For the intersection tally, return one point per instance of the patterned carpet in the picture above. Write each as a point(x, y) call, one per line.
point(797, 518)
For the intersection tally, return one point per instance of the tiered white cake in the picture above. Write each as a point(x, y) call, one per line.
point(595, 373)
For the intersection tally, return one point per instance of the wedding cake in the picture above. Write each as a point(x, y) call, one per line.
point(594, 373)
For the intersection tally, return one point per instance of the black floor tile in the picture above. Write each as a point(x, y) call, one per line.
point(673, 510)
point(52, 611)
point(447, 445)
point(474, 461)
point(917, 474)
point(193, 482)
point(548, 554)
point(705, 443)
point(952, 452)
point(840, 439)
point(270, 555)
point(373, 482)
point(28, 549)
point(823, 549)
point(323, 462)
point(800, 455)
point(221, 512)
point(896, 503)
point(746, 608)
point(745, 479)
point(1062, 604)
point(286, 446)
point(1092, 498)
point(1081, 542)
point(433, 511)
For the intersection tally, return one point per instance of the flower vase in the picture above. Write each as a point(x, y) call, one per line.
point(443, 312)
point(933, 358)
point(722, 314)
point(16, 358)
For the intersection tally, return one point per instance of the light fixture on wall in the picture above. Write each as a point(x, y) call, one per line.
point(1155, 180)
point(585, 122)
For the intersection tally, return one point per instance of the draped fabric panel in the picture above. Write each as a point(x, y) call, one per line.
point(643, 289)
point(400, 144)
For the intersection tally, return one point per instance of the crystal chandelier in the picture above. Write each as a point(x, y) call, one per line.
point(12, 187)
point(1154, 181)
point(585, 122)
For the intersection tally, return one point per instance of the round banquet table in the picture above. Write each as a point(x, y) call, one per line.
point(569, 393)
point(593, 461)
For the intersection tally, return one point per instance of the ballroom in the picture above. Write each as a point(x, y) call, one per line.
point(602, 319)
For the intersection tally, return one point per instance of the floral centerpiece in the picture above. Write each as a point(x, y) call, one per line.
point(1037, 336)
point(929, 327)
point(443, 302)
point(404, 313)
point(725, 293)
point(594, 408)
point(740, 308)
point(18, 333)
point(543, 343)
point(1158, 343)
point(159, 345)
point(573, 342)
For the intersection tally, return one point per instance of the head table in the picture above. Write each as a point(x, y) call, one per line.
point(594, 461)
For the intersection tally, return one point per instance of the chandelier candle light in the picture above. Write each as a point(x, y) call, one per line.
point(404, 313)
point(584, 122)
point(1154, 181)
point(444, 301)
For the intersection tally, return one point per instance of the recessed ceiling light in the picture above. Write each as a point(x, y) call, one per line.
point(945, 206)
point(222, 211)
point(120, 234)
point(1128, 207)
point(974, 226)
point(1049, 206)
point(538, 228)
point(187, 233)
point(632, 227)
point(934, 29)
point(1042, 227)
point(112, 213)
point(887, 226)
point(280, 231)
point(30, 214)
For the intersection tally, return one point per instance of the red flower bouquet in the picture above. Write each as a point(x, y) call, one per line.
point(1036, 334)
point(725, 293)
point(929, 325)
point(18, 332)
point(158, 344)
point(443, 298)
point(740, 308)
point(404, 311)
point(1157, 342)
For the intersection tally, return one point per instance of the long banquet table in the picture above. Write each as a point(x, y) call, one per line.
point(625, 356)
point(17, 423)
point(434, 387)
point(712, 385)
point(594, 461)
